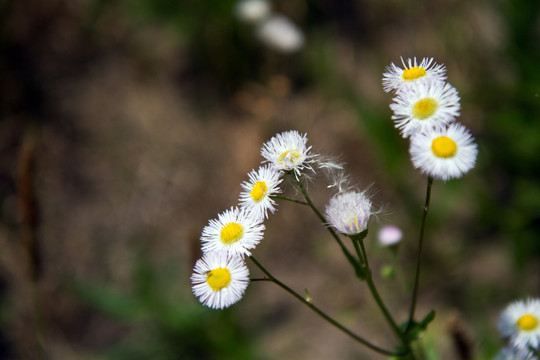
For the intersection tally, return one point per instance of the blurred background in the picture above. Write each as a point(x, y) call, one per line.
point(126, 125)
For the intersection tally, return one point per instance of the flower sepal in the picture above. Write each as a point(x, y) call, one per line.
point(359, 237)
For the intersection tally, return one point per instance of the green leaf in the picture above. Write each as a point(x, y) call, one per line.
point(417, 329)
point(429, 318)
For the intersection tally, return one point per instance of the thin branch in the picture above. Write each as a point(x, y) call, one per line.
point(323, 314)
point(278, 197)
point(357, 267)
point(419, 257)
point(377, 297)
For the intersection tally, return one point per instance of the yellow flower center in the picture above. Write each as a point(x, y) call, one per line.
point(353, 224)
point(289, 157)
point(413, 73)
point(527, 322)
point(444, 147)
point(218, 278)
point(232, 232)
point(424, 108)
point(258, 191)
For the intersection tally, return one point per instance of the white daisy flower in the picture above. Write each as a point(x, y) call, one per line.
point(444, 153)
point(510, 353)
point(389, 235)
point(396, 78)
point(256, 195)
point(288, 151)
point(235, 230)
point(280, 34)
point(252, 11)
point(349, 212)
point(219, 279)
point(423, 105)
point(520, 322)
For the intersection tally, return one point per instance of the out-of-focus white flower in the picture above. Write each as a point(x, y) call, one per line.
point(520, 321)
point(444, 154)
point(349, 212)
point(395, 78)
point(252, 11)
point(389, 235)
point(280, 34)
point(219, 279)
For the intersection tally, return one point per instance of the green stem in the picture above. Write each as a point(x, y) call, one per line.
point(357, 267)
point(399, 271)
point(419, 257)
point(369, 279)
point(278, 197)
point(322, 314)
point(362, 269)
point(363, 260)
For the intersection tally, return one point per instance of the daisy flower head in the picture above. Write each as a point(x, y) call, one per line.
point(444, 153)
point(424, 104)
point(257, 190)
point(520, 322)
point(396, 78)
point(219, 279)
point(288, 151)
point(349, 212)
point(235, 230)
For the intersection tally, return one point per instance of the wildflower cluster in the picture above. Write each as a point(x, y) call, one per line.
point(520, 324)
point(273, 29)
point(221, 276)
point(425, 108)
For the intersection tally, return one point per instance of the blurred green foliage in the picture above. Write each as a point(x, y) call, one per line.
point(510, 141)
point(165, 322)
